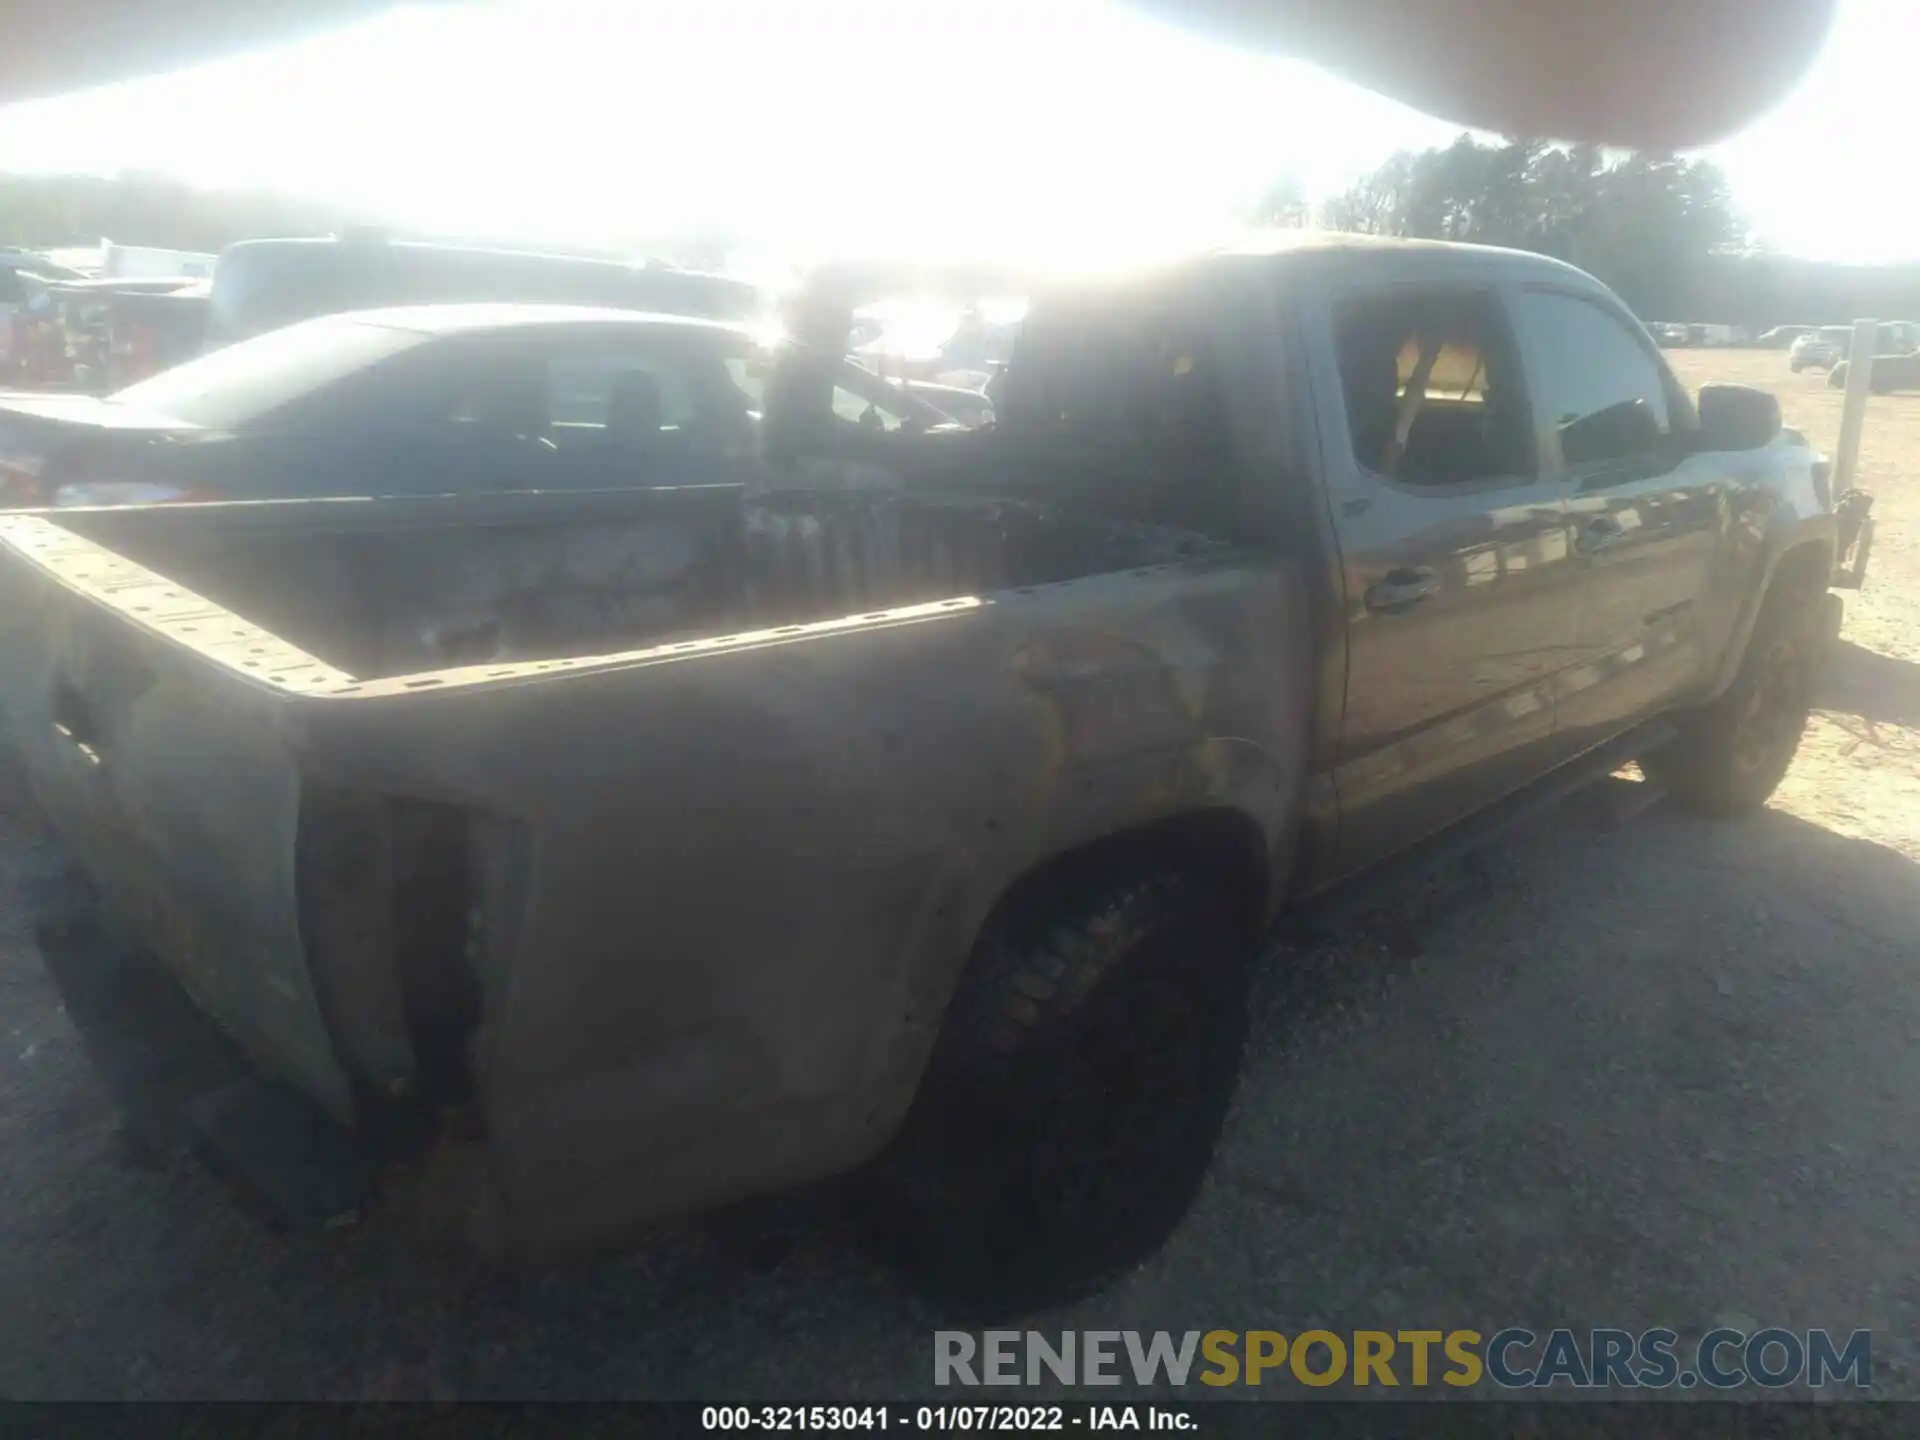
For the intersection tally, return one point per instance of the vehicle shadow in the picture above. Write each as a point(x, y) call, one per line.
point(1877, 688)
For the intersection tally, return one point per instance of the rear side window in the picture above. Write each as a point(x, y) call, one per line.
point(249, 383)
point(1599, 384)
point(584, 390)
point(1430, 382)
point(584, 394)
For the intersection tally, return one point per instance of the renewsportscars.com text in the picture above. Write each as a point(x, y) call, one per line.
point(1512, 1359)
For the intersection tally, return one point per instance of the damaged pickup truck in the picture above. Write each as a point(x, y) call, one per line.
point(911, 806)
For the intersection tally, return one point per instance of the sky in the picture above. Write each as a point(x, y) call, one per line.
point(995, 129)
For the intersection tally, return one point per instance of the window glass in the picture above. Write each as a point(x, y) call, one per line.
point(244, 384)
point(1458, 371)
point(655, 390)
point(861, 405)
point(1600, 386)
point(747, 374)
point(1428, 382)
point(590, 389)
point(858, 398)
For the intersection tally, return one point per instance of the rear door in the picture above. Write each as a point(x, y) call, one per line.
point(1646, 509)
point(1459, 583)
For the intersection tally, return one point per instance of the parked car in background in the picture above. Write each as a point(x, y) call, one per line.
point(1831, 344)
point(968, 407)
point(939, 341)
point(1780, 337)
point(1891, 373)
point(148, 332)
point(23, 278)
point(1821, 350)
point(1667, 333)
point(426, 400)
point(37, 263)
point(151, 261)
point(33, 345)
point(1898, 337)
point(106, 343)
point(260, 285)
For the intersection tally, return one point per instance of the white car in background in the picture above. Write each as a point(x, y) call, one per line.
point(1831, 344)
point(1821, 350)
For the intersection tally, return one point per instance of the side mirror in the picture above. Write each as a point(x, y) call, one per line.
point(1737, 417)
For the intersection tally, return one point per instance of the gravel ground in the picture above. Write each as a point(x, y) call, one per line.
point(1662, 1075)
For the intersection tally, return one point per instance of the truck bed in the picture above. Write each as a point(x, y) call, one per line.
point(646, 832)
point(400, 588)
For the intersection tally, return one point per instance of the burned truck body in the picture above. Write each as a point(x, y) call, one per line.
point(916, 799)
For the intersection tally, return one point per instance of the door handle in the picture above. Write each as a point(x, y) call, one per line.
point(1401, 590)
point(1598, 535)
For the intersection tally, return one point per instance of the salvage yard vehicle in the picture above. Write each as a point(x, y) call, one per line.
point(260, 285)
point(109, 326)
point(1890, 374)
point(1820, 349)
point(909, 809)
point(423, 399)
point(34, 351)
point(151, 332)
point(968, 407)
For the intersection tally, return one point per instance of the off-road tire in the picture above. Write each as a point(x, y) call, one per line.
point(1732, 754)
point(1074, 1097)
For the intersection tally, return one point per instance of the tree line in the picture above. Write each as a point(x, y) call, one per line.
point(1661, 230)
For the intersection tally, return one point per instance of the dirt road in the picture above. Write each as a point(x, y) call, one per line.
point(1660, 1076)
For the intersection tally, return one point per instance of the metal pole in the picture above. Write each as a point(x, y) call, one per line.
point(1853, 414)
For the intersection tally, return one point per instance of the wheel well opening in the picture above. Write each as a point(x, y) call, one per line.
point(1224, 847)
point(1803, 571)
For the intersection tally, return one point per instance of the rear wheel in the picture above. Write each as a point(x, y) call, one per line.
point(1733, 753)
point(1075, 1097)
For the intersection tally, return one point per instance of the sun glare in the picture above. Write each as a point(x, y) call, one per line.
point(1070, 135)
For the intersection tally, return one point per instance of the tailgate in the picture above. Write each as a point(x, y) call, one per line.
point(158, 759)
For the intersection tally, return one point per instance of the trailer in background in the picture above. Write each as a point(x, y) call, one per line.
point(138, 262)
